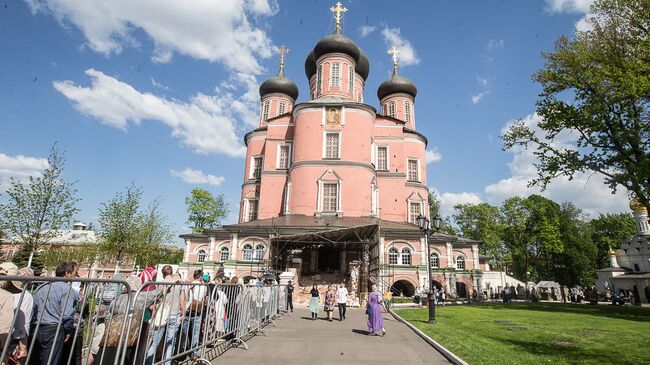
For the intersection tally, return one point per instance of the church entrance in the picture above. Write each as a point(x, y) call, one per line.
point(403, 288)
point(461, 289)
point(329, 259)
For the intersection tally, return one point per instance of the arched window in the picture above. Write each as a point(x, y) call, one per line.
point(319, 80)
point(335, 74)
point(282, 108)
point(248, 252)
point(406, 256)
point(407, 111)
point(391, 109)
point(201, 255)
point(224, 254)
point(259, 252)
point(265, 110)
point(393, 254)
point(351, 78)
point(435, 260)
point(460, 263)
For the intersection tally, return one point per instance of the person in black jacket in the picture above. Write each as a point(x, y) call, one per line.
point(290, 296)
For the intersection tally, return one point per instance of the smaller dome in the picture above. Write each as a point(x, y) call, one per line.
point(279, 84)
point(336, 43)
point(310, 65)
point(363, 65)
point(396, 84)
point(637, 206)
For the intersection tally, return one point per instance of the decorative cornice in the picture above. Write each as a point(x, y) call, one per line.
point(337, 162)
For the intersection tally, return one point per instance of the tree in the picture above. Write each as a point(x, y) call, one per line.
point(205, 211)
point(609, 231)
point(482, 222)
point(576, 265)
point(606, 73)
point(38, 209)
point(127, 232)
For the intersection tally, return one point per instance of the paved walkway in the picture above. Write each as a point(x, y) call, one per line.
point(299, 340)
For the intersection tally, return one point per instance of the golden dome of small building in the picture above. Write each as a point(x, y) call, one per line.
point(637, 206)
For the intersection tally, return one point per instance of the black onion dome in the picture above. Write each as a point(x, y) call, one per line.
point(310, 65)
point(396, 84)
point(363, 65)
point(336, 43)
point(279, 84)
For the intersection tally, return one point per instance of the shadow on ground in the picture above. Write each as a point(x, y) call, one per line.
point(630, 313)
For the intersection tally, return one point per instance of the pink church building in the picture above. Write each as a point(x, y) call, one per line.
point(332, 187)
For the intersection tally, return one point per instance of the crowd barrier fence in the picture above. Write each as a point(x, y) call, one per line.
point(104, 321)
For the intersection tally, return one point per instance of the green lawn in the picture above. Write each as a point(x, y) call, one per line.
point(540, 333)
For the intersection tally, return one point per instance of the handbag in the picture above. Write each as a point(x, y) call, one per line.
point(368, 311)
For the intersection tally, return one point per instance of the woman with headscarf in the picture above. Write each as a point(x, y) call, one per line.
point(373, 309)
point(313, 304)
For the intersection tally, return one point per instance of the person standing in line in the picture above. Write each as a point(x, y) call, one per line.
point(196, 306)
point(373, 309)
point(53, 301)
point(342, 299)
point(290, 296)
point(313, 304)
point(330, 299)
point(24, 302)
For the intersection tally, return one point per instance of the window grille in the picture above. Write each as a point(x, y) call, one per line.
point(282, 108)
point(319, 80)
point(284, 157)
point(382, 158)
point(413, 174)
point(393, 255)
point(460, 263)
point(332, 145)
point(414, 212)
point(336, 74)
point(435, 260)
point(248, 253)
point(407, 111)
point(330, 197)
point(257, 168)
point(351, 78)
point(391, 109)
point(265, 111)
point(406, 256)
point(201, 256)
point(224, 254)
point(252, 210)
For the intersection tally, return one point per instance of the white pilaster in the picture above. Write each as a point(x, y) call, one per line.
point(450, 255)
point(235, 247)
point(475, 253)
point(382, 249)
point(211, 251)
point(186, 254)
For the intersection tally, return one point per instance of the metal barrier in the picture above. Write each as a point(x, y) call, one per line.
point(100, 321)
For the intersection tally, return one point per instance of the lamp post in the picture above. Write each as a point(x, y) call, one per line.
point(423, 223)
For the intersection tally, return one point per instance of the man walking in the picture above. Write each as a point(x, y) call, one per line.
point(54, 308)
point(342, 299)
point(290, 296)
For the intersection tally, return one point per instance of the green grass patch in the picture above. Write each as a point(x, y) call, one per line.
point(402, 299)
point(539, 333)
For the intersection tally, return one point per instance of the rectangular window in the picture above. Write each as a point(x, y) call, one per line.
point(332, 145)
point(330, 197)
point(391, 109)
point(252, 210)
point(351, 78)
point(256, 172)
point(336, 74)
point(265, 111)
point(382, 158)
point(282, 108)
point(414, 212)
point(407, 111)
point(413, 173)
point(319, 79)
point(283, 159)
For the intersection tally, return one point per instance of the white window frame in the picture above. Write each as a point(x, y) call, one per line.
point(282, 108)
point(247, 217)
point(258, 254)
point(417, 171)
point(335, 75)
point(278, 158)
point(319, 203)
point(374, 199)
point(319, 80)
point(287, 194)
point(408, 210)
point(391, 105)
point(325, 133)
point(387, 158)
point(226, 251)
point(406, 252)
point(336, 198)
point(407, 111)
point(251, 172)
point(201, 255)
point(462, 259)
point(393, 256)
point(247, 252)
point(351, 79)
point(266, 106)
point(437, 263)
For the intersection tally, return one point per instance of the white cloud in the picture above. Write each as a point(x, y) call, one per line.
point(159, 85)
point(365, 30)
point(449, 200)
point(19, 167)
point(191, 176)
point(217, 31)
point(393, 38)
point(586, 190)
point(205, 124)
point(494, 44)
point(483, 81)
point(432, 156)
point(572, 6)
point(478, 97)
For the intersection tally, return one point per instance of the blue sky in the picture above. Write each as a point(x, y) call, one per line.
point(161, 96)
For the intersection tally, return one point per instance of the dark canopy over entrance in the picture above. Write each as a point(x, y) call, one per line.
point(362, 239)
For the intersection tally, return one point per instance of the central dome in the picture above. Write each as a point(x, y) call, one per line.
point(337, 43)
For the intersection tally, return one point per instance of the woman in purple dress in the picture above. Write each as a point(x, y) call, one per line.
point(375, 319)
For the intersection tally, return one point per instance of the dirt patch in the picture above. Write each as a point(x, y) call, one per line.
point(563, 344)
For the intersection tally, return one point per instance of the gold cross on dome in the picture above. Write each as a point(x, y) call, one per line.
point(394, 52)
point(338, 10)
point(282, 51)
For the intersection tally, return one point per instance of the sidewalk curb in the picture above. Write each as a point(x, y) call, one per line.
point(441, 349)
